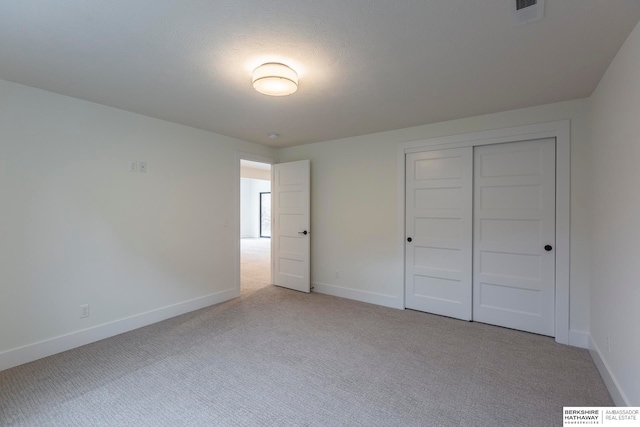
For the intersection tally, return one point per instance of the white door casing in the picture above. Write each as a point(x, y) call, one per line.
point(438, 267)
point(291, 225)
point(561, 131)
point(514, 219)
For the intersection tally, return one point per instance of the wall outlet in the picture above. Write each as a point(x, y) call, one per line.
point(337, 275)
point(142, 166)
point(84, 310)
point(133, 166)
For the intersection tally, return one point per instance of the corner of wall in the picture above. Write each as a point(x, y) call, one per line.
point(618, 396)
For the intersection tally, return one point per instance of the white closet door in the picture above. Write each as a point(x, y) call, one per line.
point(514, 235)
point(438, 266)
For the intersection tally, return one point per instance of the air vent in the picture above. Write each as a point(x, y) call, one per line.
point(522, 4)
point(525, 11)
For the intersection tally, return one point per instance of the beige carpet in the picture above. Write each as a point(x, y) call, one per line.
point(277, 357)
point(255, 264)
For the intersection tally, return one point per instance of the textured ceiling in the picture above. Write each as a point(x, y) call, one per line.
point(365, 65)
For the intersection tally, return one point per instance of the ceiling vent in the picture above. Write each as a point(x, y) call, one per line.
point(525, 11)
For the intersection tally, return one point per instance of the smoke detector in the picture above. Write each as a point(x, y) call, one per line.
point(525, 11)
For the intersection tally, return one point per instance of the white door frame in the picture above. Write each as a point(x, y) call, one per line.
point(561, 131)
point(236, 222)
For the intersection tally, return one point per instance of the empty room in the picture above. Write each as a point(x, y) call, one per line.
point(365, 213)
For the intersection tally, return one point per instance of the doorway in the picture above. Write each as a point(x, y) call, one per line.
point(255, 226)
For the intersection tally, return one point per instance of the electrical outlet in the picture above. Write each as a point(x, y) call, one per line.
point(84, 310)
point(337, 275)
point(133, 166)
point(142, 166)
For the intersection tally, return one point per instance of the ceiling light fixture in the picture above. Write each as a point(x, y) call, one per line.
point(275, 79)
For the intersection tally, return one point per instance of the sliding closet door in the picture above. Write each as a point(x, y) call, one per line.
point(514, 235)
point(438, 232)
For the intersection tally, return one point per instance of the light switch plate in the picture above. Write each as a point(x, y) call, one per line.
point(84, 310)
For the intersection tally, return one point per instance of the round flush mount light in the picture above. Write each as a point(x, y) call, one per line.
point(275, 79)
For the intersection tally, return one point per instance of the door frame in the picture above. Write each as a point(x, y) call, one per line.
point(240, 155)
point(561, 131)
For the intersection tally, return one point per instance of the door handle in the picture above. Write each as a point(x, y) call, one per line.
point(409, 239)
point(305, 232)
point(548, 248)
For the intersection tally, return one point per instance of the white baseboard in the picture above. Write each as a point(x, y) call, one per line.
point(38, 350)
point(358, 295)
point(579, 339)
point(618, 396)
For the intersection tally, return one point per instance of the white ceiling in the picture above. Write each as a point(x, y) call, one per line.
point(255, 165)
point(365, 65)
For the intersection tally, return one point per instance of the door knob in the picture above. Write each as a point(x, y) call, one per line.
point(305, 232)
point(409, 239)
point(548, 248)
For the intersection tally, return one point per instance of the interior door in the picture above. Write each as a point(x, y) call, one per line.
point(291, 225)
point(514, 235)
point(438, 249)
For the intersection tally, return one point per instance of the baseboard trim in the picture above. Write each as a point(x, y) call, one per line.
point(358, 295)
point(618, 396)
point(579, 339)
point(38, 350)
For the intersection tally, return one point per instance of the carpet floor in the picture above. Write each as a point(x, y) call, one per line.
point(276, 357)
point(255, 264)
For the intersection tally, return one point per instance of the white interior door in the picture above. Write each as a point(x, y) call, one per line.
point(514, 235)
point(291, 225)
point(438, 267)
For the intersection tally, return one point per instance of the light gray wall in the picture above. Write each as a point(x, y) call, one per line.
point(77, 228)
point(615, 267)
point(354, 205)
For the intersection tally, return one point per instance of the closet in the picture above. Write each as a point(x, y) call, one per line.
point(480, 233)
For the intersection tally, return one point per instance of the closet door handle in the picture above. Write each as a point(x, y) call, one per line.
point(548, 248)
point(305, 232)
point(409, 239)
